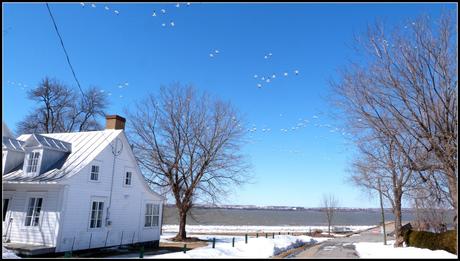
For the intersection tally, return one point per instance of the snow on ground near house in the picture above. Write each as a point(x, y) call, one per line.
point(8, 254)
point(378, 250)
point(268, 229)
point(255, 248)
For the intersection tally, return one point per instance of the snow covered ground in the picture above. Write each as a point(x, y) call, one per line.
point(255, 248)
point(8, 254)
point(378, 250)
point(262, 229)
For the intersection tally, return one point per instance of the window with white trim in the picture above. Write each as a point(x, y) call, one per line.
point(32, 162)
point(97, 210)
point(33, 212)
point(128, 177)
point(152, 214)
point(94, 173)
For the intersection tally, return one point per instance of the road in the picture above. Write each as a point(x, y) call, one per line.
point(342, 247)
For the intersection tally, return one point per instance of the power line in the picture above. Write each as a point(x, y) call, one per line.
point(65, 51)
point(70, 64)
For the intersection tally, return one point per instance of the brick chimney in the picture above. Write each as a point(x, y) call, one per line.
point(114, 122)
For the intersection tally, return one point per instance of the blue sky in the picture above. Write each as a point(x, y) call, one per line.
point(133, 49)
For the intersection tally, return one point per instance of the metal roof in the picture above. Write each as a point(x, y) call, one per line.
point(85, 147)
point(51, 143)
point(12, 144)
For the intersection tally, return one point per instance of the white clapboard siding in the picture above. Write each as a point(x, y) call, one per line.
point(45, 233)
point(126, 210)
point(68, 193)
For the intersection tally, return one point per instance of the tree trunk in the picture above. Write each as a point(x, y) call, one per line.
point(454, 195)
point(182, 221)
point(397, 212)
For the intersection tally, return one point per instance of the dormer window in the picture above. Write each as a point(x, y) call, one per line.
point(32, 162)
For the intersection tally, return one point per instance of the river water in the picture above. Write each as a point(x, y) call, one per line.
point(265, 217)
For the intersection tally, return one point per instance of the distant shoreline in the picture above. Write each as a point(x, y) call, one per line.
point(291, 208)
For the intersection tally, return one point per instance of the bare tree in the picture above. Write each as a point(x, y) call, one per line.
point(329, 206)
point(380, 167)
point(189, 143)
point(61, 109)
point(407, 90)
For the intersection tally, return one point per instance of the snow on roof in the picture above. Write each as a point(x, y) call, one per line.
point(85, 147)
point(12, 144)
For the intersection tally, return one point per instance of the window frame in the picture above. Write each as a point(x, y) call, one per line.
point(126, 179)
point(151, 216)
point(103, 216)
point(98, 172)
point(26, 208)
point(37, 160)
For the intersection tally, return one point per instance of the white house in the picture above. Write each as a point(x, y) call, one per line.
point(75, 191)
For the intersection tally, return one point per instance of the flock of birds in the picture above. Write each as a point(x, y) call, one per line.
point(263, 80)
point(162, 13)
point(271, 77)
point(301, 124)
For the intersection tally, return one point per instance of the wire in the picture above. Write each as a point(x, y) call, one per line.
point(65, 51)
point(70, 64)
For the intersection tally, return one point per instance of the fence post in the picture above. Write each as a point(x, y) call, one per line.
point(266, 235)
point(233, 242)
point(257, 235)
point(246, 238)
point(213, 242)
point(185, 248)
point(279, 233)
point(73, 242)
point(121, 241)
point(273, 236)
point(106, 237)
point(141, 252)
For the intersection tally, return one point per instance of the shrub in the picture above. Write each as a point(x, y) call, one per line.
point(434, 241)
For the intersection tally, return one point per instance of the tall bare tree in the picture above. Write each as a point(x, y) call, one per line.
point(190, 143)
point(405, 88)
point(61, 109)
point(329, 204)
point(380, 167)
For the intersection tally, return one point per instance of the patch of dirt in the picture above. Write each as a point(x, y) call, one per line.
point(187, 240)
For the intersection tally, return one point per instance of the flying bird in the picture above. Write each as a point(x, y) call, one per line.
point(93, 5)
point(172, 23)
point(163, 11)
point(106, 8)
point(116, 12)
point(154, 14)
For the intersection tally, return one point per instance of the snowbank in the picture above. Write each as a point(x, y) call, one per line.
point(255, 248)
point(262, 229)
point(378, 250)
point(8, 254)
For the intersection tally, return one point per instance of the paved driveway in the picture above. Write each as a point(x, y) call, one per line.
point(342, 247)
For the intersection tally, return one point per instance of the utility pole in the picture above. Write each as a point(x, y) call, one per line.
point(383, 215)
